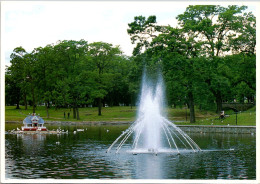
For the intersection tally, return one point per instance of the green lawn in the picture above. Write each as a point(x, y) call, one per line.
point(244, 119)
point(86, 114)
point(113, 114)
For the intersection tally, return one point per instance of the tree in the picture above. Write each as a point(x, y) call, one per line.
point(243, 60)
point(12, 91)
point(175, 52)
point(181, 56)
point(213, 26)
point(118, 92)
point(102, 55)
point(31, 77)
point(134, 76)
point(245, 41)
point(69, 59)
point(45, 74)
point(142, 31)
point(242, 76)
point(17, 73)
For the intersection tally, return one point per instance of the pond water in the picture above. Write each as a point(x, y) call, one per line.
point(83, 156)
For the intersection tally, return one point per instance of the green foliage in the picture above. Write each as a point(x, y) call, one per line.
point(209, 58)
point(141, 30)
point(194, 57)
point(68, 74)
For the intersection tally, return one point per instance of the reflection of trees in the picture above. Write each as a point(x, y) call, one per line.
point(82, 155)
point(61, 156)
point(23, 152)
point(32, 143)
point(217, 163)
point(214, 163)
point(24, 145)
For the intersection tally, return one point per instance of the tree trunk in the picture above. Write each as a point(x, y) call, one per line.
point(18, 101)
point(217, 95)
point(47, 109)
point(218, 101)
point(191, 106)
point(33, 98)
point(99, 106)
point(25, 101)
point(77, 110)
point(74, 112)
point(17, 105)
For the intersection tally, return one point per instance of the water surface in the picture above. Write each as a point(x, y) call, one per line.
point(83, 156)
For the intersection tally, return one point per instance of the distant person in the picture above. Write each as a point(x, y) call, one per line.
point(64, 115)
point(222, 115)
point(68, 115)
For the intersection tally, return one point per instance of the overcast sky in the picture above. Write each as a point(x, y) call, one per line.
point(34, 24)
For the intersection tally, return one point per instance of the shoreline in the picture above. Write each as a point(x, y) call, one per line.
point(129, 122)
point(233, 129)
point(79, 123)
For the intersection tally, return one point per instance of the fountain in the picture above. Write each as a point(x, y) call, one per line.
point(152, 132)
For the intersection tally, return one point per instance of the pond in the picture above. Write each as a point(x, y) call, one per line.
point(82, 155)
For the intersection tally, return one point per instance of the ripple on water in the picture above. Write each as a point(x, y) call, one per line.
point(87, 159)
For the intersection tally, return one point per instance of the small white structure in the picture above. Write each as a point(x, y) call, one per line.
point(33, 123)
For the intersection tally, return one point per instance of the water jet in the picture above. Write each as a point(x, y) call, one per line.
point(152, 132)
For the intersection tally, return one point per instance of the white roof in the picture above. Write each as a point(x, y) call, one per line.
point(28, 119)
point(34, 118)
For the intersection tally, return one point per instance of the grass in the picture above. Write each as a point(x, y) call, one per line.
point(86, 114)
point(126, 114)
point(246, 118)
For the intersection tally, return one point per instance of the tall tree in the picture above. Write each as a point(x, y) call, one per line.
point(103, 55)
point(69, 56)
point(118, 93)
point(17, 72)
point(175, 51)
point(31, 77)
point(142, 31)
point(213, 26)
point(45, 74)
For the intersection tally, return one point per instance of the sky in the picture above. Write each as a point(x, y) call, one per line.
point(37, 24)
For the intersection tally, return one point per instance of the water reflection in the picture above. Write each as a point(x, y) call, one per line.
point(82, 155)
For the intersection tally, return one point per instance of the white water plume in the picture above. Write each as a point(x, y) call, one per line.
point(152, 132)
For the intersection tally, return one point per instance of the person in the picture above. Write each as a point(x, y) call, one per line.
point(222, 115)
point(64, 115)
point(68, 115)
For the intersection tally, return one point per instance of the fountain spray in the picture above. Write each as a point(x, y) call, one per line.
point(152, 132)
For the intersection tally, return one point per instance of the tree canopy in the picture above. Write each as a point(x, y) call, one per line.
point(208, 59)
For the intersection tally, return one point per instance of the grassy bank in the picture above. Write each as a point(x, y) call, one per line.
point(86, 114)
point(119, 114)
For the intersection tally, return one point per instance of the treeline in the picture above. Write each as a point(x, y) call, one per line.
point(208, 59)
point(68, 74)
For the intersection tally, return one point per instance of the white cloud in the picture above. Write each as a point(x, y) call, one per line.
point(34, 24)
